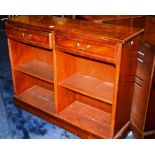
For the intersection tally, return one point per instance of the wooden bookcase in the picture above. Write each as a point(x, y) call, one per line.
point(79, 78)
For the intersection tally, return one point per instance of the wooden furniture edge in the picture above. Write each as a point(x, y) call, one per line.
point(123, 132)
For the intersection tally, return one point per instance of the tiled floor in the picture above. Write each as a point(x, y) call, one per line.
point(15, 122)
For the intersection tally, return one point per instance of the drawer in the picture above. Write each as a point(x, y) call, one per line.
point(30, 36)
point(83, 47)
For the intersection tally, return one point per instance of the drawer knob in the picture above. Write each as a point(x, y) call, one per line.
point(82, 48)
point(30, 36)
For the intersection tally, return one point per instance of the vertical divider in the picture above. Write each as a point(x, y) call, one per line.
point(116, 87)
point(64, 66)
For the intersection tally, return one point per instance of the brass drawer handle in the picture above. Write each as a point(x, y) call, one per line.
point(139, 52)
point(82, 48)
point(140, 60)
point(30, 36)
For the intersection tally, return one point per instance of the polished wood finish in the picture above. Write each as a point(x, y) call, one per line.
point(36, 68)
point(147, 22)
point(90, 86)
point(88, 118)
point(105, 18)
point(83, 82)
point(38, 97)
point(34, 37)
point(127, 71)
point(142, 116)
point(150, 30)
point(84, 29)
point(91, 49)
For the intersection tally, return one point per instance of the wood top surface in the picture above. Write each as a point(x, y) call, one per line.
point(87, 29)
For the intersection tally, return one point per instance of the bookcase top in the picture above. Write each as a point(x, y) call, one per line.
point(88, 29)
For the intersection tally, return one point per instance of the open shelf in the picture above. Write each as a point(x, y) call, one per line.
point(87, 118)
point(38, 69)
point(38, 97)
point(90, 86)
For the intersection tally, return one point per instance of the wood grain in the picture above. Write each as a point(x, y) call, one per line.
point(92, 85)
point(88, 118)
point(37, 69)
point(38, 97)
point(89, 86)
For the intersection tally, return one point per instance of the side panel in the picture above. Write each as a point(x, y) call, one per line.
point(126, 83)
point(142, 89)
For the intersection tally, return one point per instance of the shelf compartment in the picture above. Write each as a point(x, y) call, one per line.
point(87, 118)
point(89, 86)
point(38, 97)
point(38, 70)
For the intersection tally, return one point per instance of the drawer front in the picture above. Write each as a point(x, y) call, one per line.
point(101, 51)
point(34, 37)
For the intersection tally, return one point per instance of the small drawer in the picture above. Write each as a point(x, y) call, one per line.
point(34, 37)
point(96, 50)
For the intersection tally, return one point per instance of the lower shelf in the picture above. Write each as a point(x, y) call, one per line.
point(88, 118)
point(80, 116)
point(38, 97)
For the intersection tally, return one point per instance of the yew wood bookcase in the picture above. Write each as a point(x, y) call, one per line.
point(75, 74)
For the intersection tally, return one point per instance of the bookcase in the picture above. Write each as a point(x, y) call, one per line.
point(75, 74)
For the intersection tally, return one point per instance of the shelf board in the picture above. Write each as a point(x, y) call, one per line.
point(87, 118)
point(38, 70)
point(80, 115)
point(38, 97)
point(89, 86)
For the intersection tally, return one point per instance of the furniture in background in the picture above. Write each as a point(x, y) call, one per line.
point(143, 109)
point(75, 73)
point(128, 20)
point(150, 30)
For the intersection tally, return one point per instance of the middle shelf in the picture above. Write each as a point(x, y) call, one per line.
point(38, 70)
point(90, 86)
